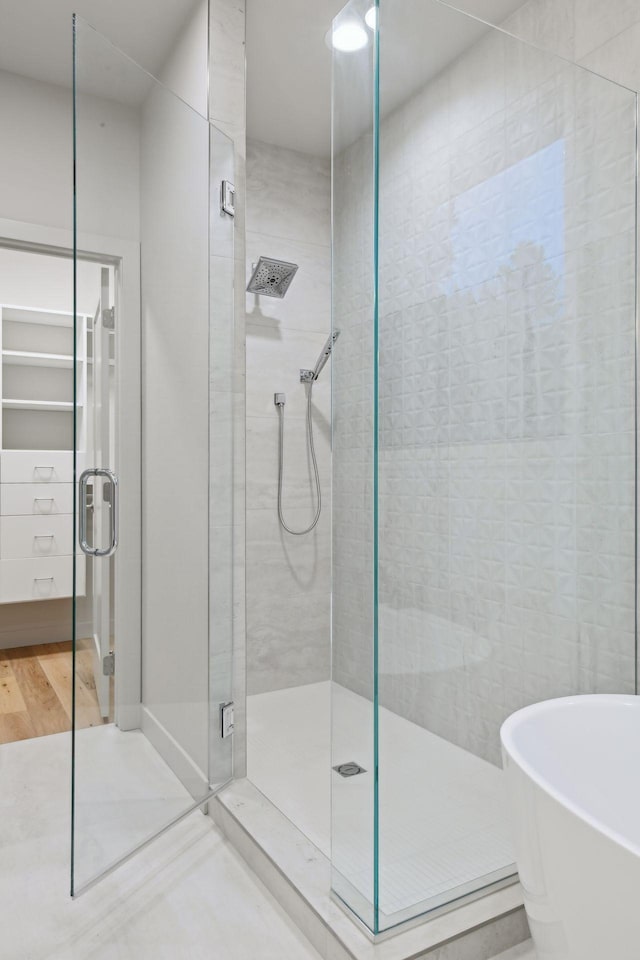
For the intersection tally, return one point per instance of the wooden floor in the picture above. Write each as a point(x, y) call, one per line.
point(35, 691)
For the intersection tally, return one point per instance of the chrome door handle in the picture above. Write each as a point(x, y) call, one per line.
point(82, 509)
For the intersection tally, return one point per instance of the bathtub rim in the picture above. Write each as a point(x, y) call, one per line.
point(509, 747)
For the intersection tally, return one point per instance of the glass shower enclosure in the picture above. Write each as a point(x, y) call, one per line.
point(484, 413)
point(153, 457)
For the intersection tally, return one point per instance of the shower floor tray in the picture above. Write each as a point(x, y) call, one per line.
point(443, 817)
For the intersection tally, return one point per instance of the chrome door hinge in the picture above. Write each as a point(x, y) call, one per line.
point(228, 198)
point(109, 318)
point(226, 719)
point(109, 664)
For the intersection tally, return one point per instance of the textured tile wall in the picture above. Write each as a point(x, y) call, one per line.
point(288, 577)
point(506, 395)
point(352, 489)
point(603, 36)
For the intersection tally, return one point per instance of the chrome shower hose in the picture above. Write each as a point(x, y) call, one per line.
point(280, 406)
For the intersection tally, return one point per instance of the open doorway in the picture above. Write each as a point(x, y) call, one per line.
point(40, 351)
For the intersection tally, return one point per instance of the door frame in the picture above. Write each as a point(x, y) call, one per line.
point(124, 256)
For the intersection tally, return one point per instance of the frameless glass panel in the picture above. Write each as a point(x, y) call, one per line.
point(505, 405)
point(353, 442)
point(153, 408)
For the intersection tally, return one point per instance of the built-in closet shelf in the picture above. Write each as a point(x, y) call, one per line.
point(43, 368)
point(27, 358)
point(51, 405)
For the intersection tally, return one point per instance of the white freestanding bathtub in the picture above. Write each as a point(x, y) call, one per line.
point(573, 777)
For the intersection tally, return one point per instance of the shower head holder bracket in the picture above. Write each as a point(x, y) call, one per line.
point(306, 375)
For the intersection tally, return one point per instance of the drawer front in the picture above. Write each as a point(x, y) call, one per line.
point(24, 499)
point(36, 466)
point(42, 579)
point(39, 536)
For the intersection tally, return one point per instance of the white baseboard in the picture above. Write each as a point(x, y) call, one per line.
point(29, 634)
point(188, 773)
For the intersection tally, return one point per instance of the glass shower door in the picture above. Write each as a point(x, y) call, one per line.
point(153, 405)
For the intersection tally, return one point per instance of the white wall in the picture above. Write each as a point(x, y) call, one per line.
point(46, 283)
point(187, 67)
point(36, 165)
point(175, 408)
point(288, 577)
point(36, 187)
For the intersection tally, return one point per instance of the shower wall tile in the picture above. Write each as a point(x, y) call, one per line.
point(549, 24)
point(470, 106)
point(288, 577)
point(281, 564)
point(227, 90)
point(289, 194)
point(600, 36)
point(296, 654)
point(262, 461)
point(618, 57)
point(288, 608)
point(506, 477)
point(275, 354)
point(596, 23)
point(308, 301)
point(352, 490)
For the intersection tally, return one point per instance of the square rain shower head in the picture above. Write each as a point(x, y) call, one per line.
point(271, 278)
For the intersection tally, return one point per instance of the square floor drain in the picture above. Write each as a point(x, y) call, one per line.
point(350, 769)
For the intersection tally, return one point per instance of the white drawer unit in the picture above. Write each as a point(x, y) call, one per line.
point(38, 536)
point(43, 393)
point(36, 466)
point(40, 579)
point(35, 499)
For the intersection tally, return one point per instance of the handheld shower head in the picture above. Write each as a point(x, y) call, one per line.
point(326, 353)
point(308, 376)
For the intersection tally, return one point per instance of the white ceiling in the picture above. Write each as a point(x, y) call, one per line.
point(35, 35)
point(289, 63)
point(289, 72)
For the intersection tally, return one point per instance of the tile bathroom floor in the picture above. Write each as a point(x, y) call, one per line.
point(188, 896)
point(524, 951)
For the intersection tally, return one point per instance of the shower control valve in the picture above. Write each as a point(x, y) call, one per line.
point(279, 399)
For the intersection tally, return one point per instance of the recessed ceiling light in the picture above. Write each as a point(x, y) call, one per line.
point(349, 36)
point(371, 17)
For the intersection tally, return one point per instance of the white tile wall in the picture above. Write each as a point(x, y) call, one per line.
point(506, 394)
point(288, 577)
point(352, 465)
point(597, 34)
